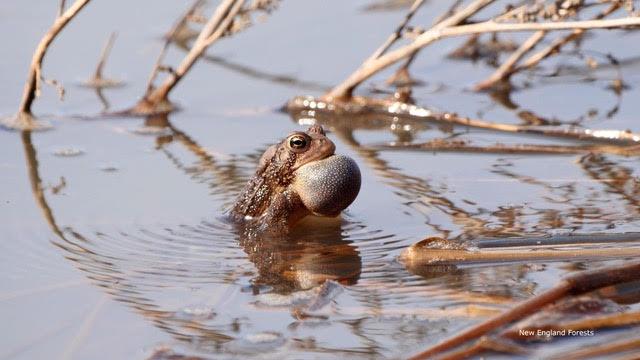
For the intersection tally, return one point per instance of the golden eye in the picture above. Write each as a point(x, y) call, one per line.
point(297, 142)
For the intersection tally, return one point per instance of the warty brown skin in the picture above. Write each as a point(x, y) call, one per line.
point(268, 201)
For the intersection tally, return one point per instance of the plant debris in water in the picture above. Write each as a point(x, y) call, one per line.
point(68, 151)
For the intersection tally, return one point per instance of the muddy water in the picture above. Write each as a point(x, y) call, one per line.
point(113, 239)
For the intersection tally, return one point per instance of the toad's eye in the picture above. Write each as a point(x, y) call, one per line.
point(298, 142)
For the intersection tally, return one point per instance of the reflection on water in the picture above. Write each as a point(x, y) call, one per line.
point(332, 287)
point(314, 252)
point(209, 286)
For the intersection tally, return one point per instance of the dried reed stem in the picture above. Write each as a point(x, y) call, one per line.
point(219, 23)
point(35, 69)
point(362, 105)
point(441, 145)
point(418, 255)
point(510, 66)
point(446, 29)
point(98, 81)
point(168, 39)
point(397, 34)
point(557, 44)
point(576, 284)
point(506, 68)
point(104, 55)
point(372, 66)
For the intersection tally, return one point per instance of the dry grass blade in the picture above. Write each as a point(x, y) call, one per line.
point(607, 135)
point(42, 289)
point(85, 327)
point(490, 27)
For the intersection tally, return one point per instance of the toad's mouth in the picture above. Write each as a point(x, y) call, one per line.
point(326, 150)
point(315, 160)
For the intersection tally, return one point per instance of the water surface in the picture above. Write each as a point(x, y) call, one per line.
point(114, 244)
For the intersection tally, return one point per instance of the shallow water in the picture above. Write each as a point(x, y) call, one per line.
point(114, 243)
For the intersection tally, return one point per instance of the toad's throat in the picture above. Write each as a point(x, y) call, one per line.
point(297, 177)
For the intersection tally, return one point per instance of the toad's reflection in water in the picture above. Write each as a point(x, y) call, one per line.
point(315, 251)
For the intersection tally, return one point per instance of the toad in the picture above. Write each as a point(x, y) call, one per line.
point(299, 176)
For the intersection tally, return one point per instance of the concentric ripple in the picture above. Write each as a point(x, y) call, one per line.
point(201, 282)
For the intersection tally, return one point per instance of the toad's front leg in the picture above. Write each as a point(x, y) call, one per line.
point(285, 209)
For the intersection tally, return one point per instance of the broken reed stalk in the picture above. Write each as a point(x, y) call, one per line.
point(168, 39)
point(619, 136)
point(106, 50)
point(506, 68)
point(103, 56)
point(445, 29)
point(589, 323)
point(622, 345)
point(417, 255)
point(575, 284)
point(392, 107)
point(157, 100)
point(98, 81)
point(397, 34)
point(557, 44)
point(441, 145)
point(502, 343)
point(510, 65)
point(35, 69)
point(372, 66)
